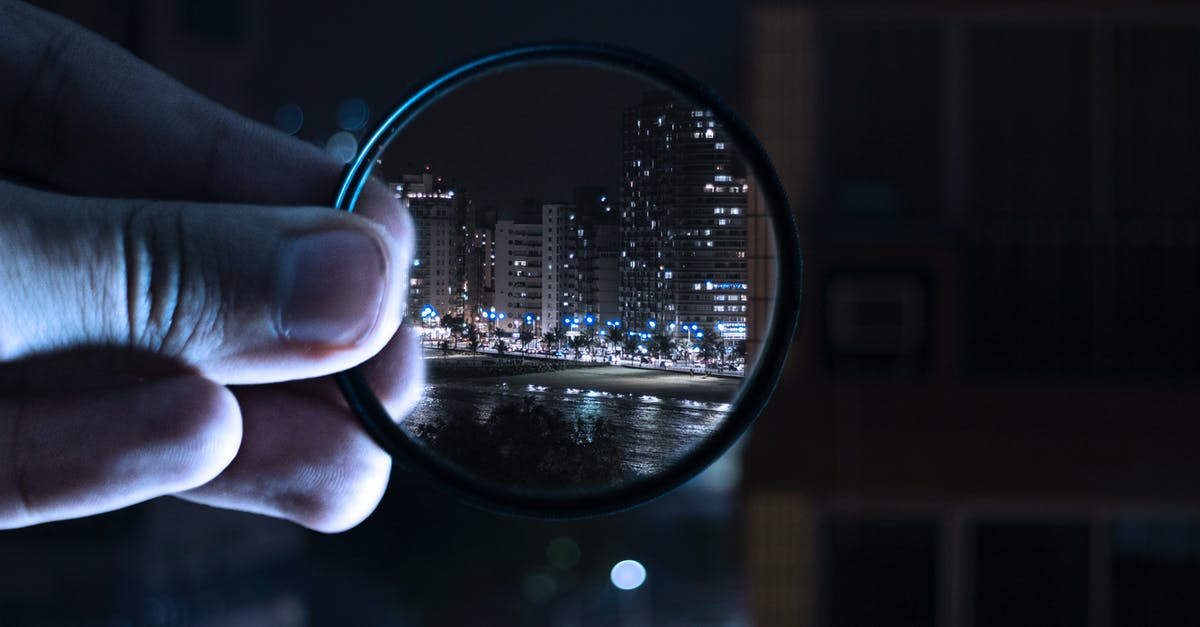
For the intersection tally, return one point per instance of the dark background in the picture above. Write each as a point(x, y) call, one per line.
point(989, 414)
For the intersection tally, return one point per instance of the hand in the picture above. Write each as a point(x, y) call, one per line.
point(163, 320)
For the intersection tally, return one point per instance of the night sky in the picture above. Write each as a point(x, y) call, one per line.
point(530, 132)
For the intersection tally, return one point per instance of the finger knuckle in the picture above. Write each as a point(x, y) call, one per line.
point(167, 282)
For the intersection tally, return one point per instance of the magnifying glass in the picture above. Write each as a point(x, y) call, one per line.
point(606, 278)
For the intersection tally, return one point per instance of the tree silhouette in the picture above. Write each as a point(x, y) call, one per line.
point(526, 443)
point(709, 346)
point(473, 339)
point(662, 346)
point(553, 339)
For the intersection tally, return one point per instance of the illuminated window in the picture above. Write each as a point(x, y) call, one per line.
point(708, 134)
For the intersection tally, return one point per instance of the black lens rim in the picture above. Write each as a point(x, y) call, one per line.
point(760, 382)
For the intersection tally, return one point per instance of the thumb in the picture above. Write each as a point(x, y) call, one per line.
point(245, 294)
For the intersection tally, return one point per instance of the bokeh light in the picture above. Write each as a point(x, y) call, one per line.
point(289, 118)
point(628, 574)
point(539, 587)
point(563, 553)
point(342, 145)
point(352, 114)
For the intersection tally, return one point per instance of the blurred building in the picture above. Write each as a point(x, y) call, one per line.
point(683, 229)
point(989, 415)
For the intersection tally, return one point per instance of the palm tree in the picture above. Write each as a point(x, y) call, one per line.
point(526, 336)
point(709, 346)
point(630, 344)
point(662, 346)
point(473, 339)
point(580, 342)
point(552, 339)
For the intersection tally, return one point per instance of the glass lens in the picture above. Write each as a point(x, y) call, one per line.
point(593, 278)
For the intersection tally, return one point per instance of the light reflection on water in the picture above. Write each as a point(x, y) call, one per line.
point(654, 430)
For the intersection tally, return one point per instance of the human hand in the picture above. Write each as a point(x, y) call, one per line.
point(172, 343)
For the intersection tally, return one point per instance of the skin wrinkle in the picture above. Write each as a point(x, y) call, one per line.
point(131, 254)
point(181, 269)
point(167, 277)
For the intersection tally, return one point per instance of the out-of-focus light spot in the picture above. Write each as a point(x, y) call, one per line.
point(539, 587)
point(289, 118)
point(352, 114)
point(628, 574)
point(342, 146)
point(562, 553)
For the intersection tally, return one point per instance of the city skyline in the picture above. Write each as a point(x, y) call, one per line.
point(669, 246)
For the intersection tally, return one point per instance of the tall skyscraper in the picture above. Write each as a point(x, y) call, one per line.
point(518, 271)
point(435, 279)
point(582, 242)
point(683, 226)
point(561, 266)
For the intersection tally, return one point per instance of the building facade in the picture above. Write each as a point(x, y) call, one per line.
point(581, 264)
point(436, 276)
point(518, 271)
point(683, 224)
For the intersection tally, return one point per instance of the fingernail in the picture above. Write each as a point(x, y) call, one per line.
point(331, 287)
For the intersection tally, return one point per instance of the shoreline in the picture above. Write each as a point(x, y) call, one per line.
point(627, 380)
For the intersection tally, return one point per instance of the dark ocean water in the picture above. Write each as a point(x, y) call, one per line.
point(655, 429)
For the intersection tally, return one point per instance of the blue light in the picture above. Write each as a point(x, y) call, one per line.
point(566, 320)
point(352, 114)
point(589, 319)
point(289, 118)
point(501, 314)
point(628, 575)
point(342, 146)
point(428, 312)
point(699, 334)
point(528, 318)
point(652, 323)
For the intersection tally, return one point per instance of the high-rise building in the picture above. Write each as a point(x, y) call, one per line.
point(683, 223)
point(582, 243)
point(560, 264)
point(478, 259)
point(518, 272)
point(435, 279)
